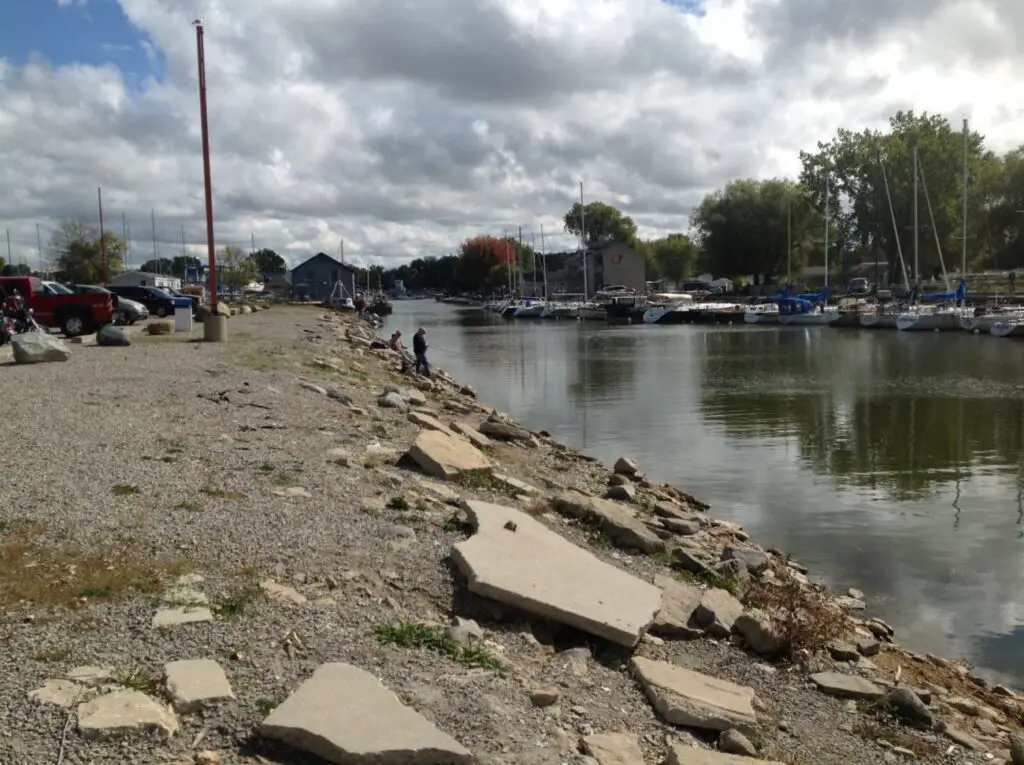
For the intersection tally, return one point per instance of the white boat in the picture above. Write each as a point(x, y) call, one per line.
point(819, 317)
point(878, 320)
point(591, 312)
point(971, 323)
point(669, 309)
point(560, 311)
point(926, 319)
point(766, 313)
point(1012, 327)
point(530, 309)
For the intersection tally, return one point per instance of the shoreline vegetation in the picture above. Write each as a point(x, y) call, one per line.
point(322, 556)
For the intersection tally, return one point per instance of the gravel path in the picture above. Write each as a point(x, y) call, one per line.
point(127, 468)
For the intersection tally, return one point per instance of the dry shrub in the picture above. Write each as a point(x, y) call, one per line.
point(805, 617)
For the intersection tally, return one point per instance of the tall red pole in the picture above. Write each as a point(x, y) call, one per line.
point(206, 169)
point(103, 242)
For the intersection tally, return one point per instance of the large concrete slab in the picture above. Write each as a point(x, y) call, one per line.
point(684, 697)
point(515, 559)
point(444, 456)
point(680, 754)
point(346, 716)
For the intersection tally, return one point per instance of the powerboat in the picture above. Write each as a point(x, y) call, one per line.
point(669, 309)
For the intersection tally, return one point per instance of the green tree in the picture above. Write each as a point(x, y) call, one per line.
point(15, 269)
point(742, 229)
point(268, 262)
point(236, 269)
point(601, 221)
point(78, 253)
point(672, 257)
point(1002, 227)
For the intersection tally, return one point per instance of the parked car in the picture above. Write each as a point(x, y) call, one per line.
point(178, 294)
point(54, 305)
point(158, 302)
point(128, 311)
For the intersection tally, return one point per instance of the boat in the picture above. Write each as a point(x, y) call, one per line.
point(925, 318)
point(762, 313)
point(591, 311)
point(561, 311)
point(983, 322)
point(801, 312)
point(1009, 327)
point(884, 317)
point(716, 313)
point(381, 306)
point(668, 308)
point(531, 308)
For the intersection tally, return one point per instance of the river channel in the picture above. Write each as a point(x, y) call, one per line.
point(883, 460)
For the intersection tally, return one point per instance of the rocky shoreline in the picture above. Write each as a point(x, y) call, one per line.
point(345, 562)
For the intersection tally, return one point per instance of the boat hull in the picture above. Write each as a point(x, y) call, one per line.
point(665, 316)
point(847, 319)
point(878, 320)
point(928, 322)
point(809, 319)
point(760, 317)
point(1013, 328)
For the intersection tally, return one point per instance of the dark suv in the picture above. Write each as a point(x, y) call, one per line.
point(155, 299)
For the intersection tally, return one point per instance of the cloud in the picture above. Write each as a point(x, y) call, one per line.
point(403, 128)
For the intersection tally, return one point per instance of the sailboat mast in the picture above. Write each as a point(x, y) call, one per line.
point(544, 260)
point(916, 237)
point(963, 251)
point(826, 231)
point(789, 242)
point(583, 242)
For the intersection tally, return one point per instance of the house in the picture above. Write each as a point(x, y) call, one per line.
point(279, 284)
point(144, 279)
point(314, 279)
point(608, 263)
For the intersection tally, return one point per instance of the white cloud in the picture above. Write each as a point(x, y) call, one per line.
point(402, 129)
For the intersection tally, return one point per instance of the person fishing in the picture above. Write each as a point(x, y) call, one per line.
point(419, 348)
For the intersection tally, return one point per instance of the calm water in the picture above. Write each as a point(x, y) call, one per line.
point(886, 461)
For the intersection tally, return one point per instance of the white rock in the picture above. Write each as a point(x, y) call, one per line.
point(178, 615)
point(346, 716)
point(541, 572)
point(444, 456)
point(282, 592)
point(38, 347)
point(196, 683)
point(124, 712)
point(63, 693)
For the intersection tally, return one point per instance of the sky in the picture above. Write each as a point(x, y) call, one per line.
point(402, 127)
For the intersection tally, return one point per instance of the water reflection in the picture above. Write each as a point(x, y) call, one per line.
point(886, 461)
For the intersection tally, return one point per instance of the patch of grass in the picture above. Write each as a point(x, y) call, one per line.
point(369, 510)
point(222, 494)
point(52, 654)
point(805, 617)
point(266, 468)
point(266, 705)
point(192, 507)
point(138, 679)
point(370, 464)
point(169, 458)
point(398, 503)
point(456, 524)
point(479, 478)
point(124, 490)
point(238, 601)
point(42, 574)
point(730, 584)
point(411, 635)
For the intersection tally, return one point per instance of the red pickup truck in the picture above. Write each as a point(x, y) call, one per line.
point(74, 314)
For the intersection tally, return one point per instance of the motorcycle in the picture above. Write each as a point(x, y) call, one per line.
point(16, 319)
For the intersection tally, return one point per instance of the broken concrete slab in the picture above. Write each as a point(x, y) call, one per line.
point(90, 675)
point(614, 749)
point(717, 612)
point(178, 615)
point(62, 693)
point(194, 684)
point(847, 686)
point(474, 436)
point(125, 712)
point(617, 520)
point(428, 421)
point(515, 559)
point(684, 697)
point(444, 456)
point(681, 754)
point(678, 602)
point(346, 716)
point(282, 592)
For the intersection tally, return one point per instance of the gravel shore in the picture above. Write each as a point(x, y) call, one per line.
point(183, 475)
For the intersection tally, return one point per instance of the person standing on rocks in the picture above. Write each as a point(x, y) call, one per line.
point(419, 347)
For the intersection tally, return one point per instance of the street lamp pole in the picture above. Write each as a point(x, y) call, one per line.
point(207, 182)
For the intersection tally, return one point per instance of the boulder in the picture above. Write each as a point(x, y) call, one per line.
point(755, 560)
point(501, 430)
point(38, 347)
point(622, 492)
point(1016, 749)
point(841, 651)
point(614, 748)
point(223, 309)
point(392, 400)
point(717, 612)
point(687, 698)
point(344, 715)
point(908, 706)
point(625, 466)
point(444, 456)
point(159, 328)
point(847, 686)
point(734, 742)
point(111, 336)
point(618, 521)
point(515, 559)
point(678, 602)
point(759, 632)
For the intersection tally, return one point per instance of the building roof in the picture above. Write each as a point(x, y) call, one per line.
point(326, 257)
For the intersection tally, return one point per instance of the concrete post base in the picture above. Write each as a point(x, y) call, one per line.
point(215, 329)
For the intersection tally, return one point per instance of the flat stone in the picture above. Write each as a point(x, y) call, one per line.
point(617, 520)
point(684, 697)
point(444, 456)
point(516, 485)
point(346, 716)
point(178, 615)
point(90, 675)
point(194, 684)
point(125, 712)
point(292, 492)
point(313, 387)
point(185, 596)
point(847, 686)
point(717, 612)
point(614, 749)
point(62, 693)
point(850, 604)
point(867, 647)
point(682, 527)
point(681, 754)
point(282, 592)
point(841, 651)
point(471, 434)
point(965, 740)
point(760, 632)
point(622, 492)
point(678, 602)
point(428, 421)
point(541, 572)
point(442, 491)
point(504, 431)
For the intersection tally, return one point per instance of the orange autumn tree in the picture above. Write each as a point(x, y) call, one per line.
point(483, 261)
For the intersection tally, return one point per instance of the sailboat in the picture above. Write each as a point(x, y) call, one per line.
point(588, 310)
point(810, 309)
point(887, 314)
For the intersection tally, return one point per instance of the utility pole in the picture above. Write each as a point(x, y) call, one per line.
point(103, 239)
point(156, 253)
point(124, 239)
point(8, 245)
point(207, 182)
point(39, 247)
point(252, 238)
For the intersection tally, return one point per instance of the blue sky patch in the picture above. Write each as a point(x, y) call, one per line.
point(691, 7)
point(95, 32)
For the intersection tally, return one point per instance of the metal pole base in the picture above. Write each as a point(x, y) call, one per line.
point(215, 329)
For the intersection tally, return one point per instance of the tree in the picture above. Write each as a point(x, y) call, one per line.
point(236, 269)
point(478, 257)
point(742, 229)
point(78, 253)
point(602, 222)
point(673, 257)
point(268, 262)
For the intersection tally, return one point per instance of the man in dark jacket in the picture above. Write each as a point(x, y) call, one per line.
point(419, 348)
